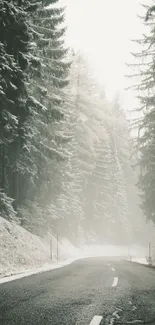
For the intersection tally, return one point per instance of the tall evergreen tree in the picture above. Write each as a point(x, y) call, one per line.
point(14, 50)
point(44, 150)
point(144, 60)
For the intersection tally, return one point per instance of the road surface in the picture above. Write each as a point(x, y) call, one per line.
point(91, 291)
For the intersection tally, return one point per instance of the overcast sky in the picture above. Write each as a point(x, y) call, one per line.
point(103, 29)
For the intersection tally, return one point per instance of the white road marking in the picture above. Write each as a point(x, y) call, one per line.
point(113, 269)
point(115, 282)
point(96, 320)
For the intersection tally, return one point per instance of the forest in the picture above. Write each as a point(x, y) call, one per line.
point(69, 163)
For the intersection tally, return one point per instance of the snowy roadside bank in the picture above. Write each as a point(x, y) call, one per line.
point(139, 260)
point(143, 261)
point(44, 268)
point(23, 254)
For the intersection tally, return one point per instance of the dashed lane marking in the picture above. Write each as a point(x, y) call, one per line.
point(96, 320)
point(115, 282)
point(113, 269)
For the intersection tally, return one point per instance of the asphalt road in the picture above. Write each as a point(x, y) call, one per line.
point(90, 291)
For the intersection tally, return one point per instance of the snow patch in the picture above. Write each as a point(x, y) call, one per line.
point(45, 268)
point(23, 254)
point(21, 251)
point(140, 260)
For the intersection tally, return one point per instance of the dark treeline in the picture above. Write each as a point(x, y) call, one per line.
point(144, 122)
point(34, 71)
point(64, 149)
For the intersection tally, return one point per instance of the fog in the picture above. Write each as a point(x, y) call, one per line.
point(76, 146)
point(77, 162)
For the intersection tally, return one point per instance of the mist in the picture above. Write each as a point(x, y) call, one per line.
point(73, 144)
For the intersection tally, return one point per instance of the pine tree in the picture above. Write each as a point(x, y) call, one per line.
point(96, 174)
point(14, 43)
point(83, 91)
point(144, 61)
point(44, 149)
point(108, 204)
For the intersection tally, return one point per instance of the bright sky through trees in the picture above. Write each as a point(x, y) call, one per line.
point(103, 29)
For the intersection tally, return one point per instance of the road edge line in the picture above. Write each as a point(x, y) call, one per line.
point(96, 320)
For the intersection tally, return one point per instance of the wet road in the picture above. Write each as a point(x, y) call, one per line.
point(90, 291)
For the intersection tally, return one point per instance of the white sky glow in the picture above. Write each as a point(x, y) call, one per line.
point(103, 29)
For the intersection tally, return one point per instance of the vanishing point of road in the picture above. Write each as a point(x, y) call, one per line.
point(91, 291)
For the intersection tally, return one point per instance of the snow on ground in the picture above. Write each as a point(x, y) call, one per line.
point(44, 268)
point(133, 253)
point(23, 254)
point(111, 250)
point(22, 251)
point(138, 255)
point(140, 260)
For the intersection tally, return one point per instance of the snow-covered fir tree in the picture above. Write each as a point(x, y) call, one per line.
point(44, 149)
point(14, 60)
point(64, 148)
point(144, 63)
